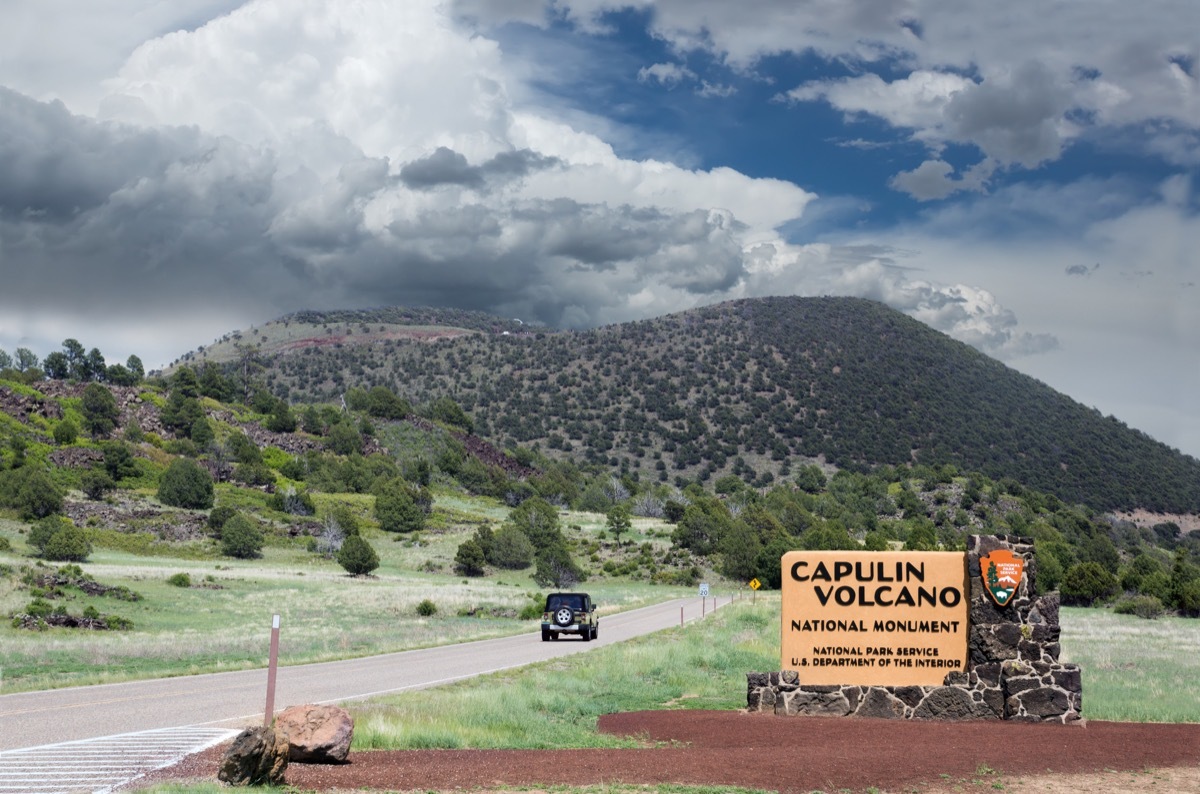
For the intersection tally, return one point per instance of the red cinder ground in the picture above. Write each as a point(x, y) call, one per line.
point(790, 754)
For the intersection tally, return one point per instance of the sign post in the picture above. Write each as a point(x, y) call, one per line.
point(272, 664)
point(754, 585)
point(703, 598)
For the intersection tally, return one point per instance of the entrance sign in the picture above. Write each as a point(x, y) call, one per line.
point(874, 618)
point(1001, 571)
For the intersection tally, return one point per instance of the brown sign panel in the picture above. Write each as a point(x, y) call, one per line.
point(874, 617)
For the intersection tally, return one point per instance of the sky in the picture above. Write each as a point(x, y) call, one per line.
point(1021, 176)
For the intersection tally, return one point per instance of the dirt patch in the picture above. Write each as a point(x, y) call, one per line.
point(789, 754)
point(1144, 518)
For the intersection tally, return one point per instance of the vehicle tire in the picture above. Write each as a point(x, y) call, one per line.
point(564, 616)
point(586, 634)
point(554, 635)
point(595, 632)
point(545, 635)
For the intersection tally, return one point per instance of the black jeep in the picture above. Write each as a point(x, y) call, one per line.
point(570, 613)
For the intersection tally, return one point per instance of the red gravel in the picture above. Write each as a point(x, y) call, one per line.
point(787, 754)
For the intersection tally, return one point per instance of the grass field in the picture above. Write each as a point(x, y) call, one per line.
point(222, 622)
point(556, 704)
point(1135, 670)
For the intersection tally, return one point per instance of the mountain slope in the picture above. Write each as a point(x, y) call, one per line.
point(754, 387)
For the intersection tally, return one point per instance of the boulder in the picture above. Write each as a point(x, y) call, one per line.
point(317, 734)
point(257, 757)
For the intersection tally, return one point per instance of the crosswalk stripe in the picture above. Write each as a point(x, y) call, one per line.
point(100, 765)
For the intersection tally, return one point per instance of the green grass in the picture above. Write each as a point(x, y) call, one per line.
point(1135, 670)
point(556, 703)
point(222, 622)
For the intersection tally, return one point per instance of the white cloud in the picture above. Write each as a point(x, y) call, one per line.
point(667, 74)
point(301, 153)
point(1039, 75)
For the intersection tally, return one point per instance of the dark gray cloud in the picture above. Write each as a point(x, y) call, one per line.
point(1014, 120)
point(1082, 270)
point(57, 165)
point(170, 221)
point(448, 167)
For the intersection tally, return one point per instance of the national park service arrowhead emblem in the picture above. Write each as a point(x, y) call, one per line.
point(1001, 571)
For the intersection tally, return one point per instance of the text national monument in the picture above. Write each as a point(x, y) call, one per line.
point(889, 618)
point(919, 635)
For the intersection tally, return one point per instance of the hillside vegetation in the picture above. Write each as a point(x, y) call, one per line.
point(171, 506)
point(750, 388)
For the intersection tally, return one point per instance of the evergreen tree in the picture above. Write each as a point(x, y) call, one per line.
point(241, 538)
point(357, 557)
point(186, 484)
point(619, 521)
point(396, 510)
point(100, 411)
point(469, 559)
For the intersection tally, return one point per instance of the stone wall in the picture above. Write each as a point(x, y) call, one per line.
point(1013, 668)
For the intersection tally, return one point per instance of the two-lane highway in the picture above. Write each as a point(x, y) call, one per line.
point(237, 699)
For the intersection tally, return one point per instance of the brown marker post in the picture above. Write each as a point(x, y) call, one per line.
point(272, 664)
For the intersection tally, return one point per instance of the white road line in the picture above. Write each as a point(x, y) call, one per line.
point(102, 764)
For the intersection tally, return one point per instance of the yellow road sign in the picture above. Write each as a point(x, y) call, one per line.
point(755, 584)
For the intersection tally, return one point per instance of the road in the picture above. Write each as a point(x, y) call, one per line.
point(238, 699)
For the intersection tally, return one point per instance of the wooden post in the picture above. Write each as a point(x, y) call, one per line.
point(272, 664)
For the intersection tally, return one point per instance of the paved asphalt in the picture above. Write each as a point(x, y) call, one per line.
point(238, 699)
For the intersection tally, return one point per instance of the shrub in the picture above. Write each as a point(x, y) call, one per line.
point(510, 548)
point(118, 460)
point(469, 560)
point(217, 518)
point(65, 432)
point(396, 510)
point(253, 474)
point(556, 568)
point(39, 608)
point(241, 538)
point(95, 483)
point(1187, 598)
point(282, 420)
point(357, 557)
point(186, 484)
point(68, 544)
point(1144, 606)
point(1086, 583)
point(427, 608)
point(293, 503)
point(30, 492)
point(344, 439)
point(345, 519)
point(383, 403)
point(179, 580)
point(44, 529)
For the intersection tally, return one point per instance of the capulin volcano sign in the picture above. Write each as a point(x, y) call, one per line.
point(1001, 571)
point(874, 618)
